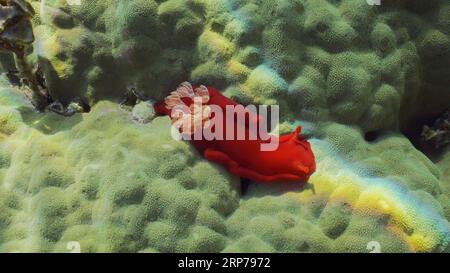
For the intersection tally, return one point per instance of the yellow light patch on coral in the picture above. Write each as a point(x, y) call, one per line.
point(347, 192)
point(51, 48)
point(421, 243)
point(238, 70)
point(55, 46)
point(371, 198)
point(373, 202)
point(10, 121)
point(215, 44)
point(264, 84)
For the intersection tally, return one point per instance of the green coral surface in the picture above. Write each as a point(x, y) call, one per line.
point(357, 77)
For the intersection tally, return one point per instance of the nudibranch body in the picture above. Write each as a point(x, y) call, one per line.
point(291, 160)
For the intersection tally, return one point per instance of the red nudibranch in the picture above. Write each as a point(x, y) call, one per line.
point(292, 160)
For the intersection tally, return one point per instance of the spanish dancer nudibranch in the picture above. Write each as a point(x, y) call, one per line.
point(291, 161)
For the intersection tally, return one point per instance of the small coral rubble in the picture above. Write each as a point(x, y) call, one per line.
point(439, 133)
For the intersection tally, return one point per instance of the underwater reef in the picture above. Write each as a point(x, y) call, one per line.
point(360, 79)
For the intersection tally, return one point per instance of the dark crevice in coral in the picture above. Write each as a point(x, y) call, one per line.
point(245, 183)
point(371, 136)
point(415, 133)
point(217, 27)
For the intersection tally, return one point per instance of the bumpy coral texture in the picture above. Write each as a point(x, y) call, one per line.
point(355, 75)
point(111, 184)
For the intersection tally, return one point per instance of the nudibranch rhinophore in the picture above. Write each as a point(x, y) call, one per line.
point(292, 159)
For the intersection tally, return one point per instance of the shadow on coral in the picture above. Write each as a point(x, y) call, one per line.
point(48, 123)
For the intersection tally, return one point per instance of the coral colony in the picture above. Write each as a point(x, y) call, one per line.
point(103, 150)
